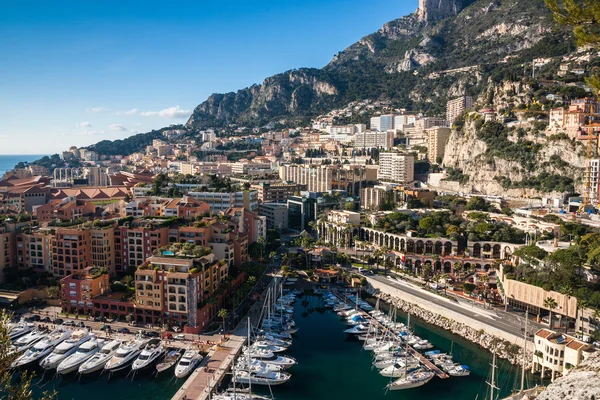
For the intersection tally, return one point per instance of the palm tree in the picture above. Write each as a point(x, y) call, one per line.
point(261, 241)
point(550, 304)
point(458, 268)
point(223, 314)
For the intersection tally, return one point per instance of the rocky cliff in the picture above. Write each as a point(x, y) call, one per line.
point(580, 383)
point(431, 10)
point(446, 48)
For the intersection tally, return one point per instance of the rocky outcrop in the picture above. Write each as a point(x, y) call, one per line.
point(504, 349)
point(580, 383)
point(431, 10)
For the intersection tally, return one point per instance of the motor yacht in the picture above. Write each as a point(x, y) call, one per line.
point(357, 330)
point(399, 368)
point(259, 353)
point(458, 370)
point(258, 365)
point(261, 378)
point(83, 353)
point(423, 345)
point(20, 328)
point(27, 341)
point(412, 380)
point(284, 362)
point(150, 354)
point(99, 359)
point(189, 361)
point(125, 354)
point(264, 345)
point(169, 360)
point(42, 348)
point(65, 349)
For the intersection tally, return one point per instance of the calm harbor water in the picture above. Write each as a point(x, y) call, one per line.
point(100, 387)
point(331, 366)
point(8, 162)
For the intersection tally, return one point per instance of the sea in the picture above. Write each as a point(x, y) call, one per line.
point(8, 161)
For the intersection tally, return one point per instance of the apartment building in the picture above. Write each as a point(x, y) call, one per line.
point(70, 251)
point(79, 289)
point(276, 215)
point(276, 192)
point(7, 251)
point(422, 124)
point(249, 222)
point(136, 240)
point(316, 178)
point(371, 198)
point(34, 250)
point(219, 201)
point(437, 139)
point(456, 106)
point(396, 167)
point(250, 168)
point(102, 248)
point(374, 140)
point(186, 207)
point(558, 352)
point(198, 235)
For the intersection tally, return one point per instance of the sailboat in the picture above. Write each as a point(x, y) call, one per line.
point(411, 380)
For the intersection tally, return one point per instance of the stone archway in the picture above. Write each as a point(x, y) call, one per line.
point(419, 247)
point(448, 248)
point(438, 248)
point(437, 266)
point(402, 244)
point(429, 247)
point(496, 250)
point(410, 246)
point(447, 267)
point(476, 250)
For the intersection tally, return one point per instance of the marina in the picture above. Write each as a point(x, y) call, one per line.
point(322, 354)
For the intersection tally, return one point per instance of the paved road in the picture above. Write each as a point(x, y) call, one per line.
point(498, 319)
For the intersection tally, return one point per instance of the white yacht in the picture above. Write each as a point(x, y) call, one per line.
point(259, 365)
point(259, 353)
point(284, 362)
point(458, 370)
point(42, 348)
point(83, 353)
point(20, 328)
point(261, 378)
point(412, 380)
point(27, 341)
point(65, 349)
point(264, 345)
point(357, 330)
point(399, 369)
point(125, 355)
point(149, 355)
point(188, 362)
point(98, 360)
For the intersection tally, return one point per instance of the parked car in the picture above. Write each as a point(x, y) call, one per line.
point(176, 329)
point(106, 328)
point(46, 319)
point(59, 321)
point(69, 323)
point(34, 318)
point(99, 319)
point(151, 334)
point(124, 330)
point(181, 336)
point(80, 324)
point(133, 323)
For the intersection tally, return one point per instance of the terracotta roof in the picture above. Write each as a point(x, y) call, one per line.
point(576, 345)
point(544, 333)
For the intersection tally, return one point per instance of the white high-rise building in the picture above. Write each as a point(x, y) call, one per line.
point(377, 140)
point(375, 124)
point(456, 106)
point(316, 178)
point(396, 167)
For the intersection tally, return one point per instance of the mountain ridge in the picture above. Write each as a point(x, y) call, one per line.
point(397, 63)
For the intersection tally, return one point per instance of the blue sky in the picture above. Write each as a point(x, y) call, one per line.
point(77, 72)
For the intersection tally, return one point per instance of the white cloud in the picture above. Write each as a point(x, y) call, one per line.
point(95, 109)
point(117, 127)
point(92, 132)
point(171, 112)
point(84, 125)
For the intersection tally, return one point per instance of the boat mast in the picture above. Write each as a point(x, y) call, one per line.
point(524, 352)
point(492, 384)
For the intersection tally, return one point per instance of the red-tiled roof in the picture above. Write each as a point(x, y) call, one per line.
point(544, 333)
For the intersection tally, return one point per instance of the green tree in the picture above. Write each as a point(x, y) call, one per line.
point(127, 280)
point(53, 292)
point(584, 17)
